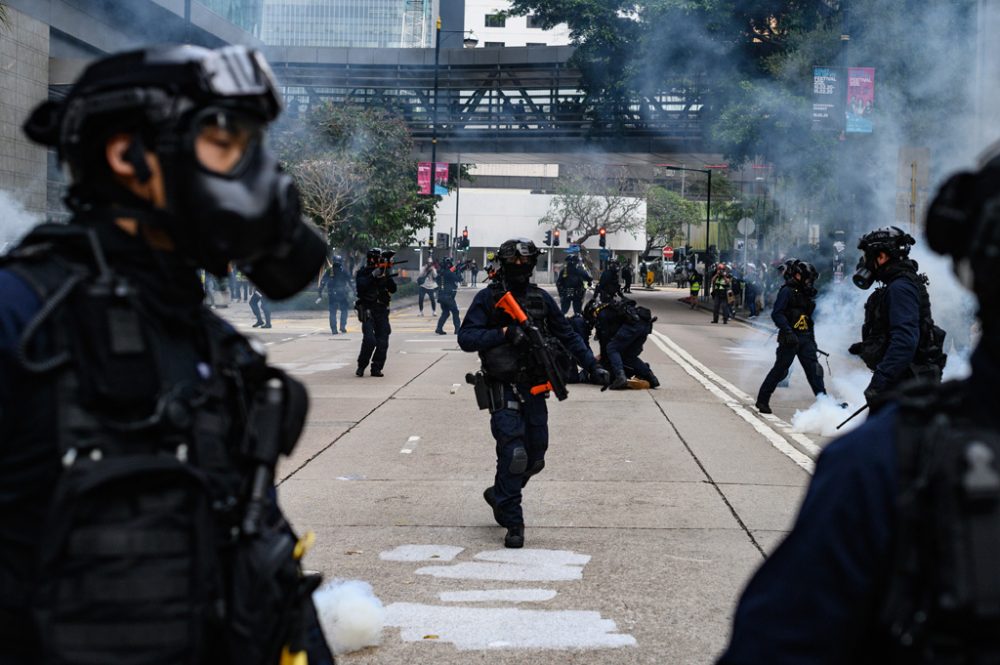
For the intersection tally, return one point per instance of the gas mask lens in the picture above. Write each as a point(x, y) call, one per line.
point(224, 140)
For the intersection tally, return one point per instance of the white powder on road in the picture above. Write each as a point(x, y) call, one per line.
point(505, 628)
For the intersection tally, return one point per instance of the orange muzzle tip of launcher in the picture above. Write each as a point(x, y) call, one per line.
point(543, 388)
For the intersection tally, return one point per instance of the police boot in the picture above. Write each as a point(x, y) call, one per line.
point(515, 537)
point(653, 381)
point(490, 499)
point(620, 382)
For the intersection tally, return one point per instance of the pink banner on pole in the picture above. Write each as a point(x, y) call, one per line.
point(860, 99)
point(441, 178)
point(424, 177)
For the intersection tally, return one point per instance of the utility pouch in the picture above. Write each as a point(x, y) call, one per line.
point(364, 313)
point(481, 388)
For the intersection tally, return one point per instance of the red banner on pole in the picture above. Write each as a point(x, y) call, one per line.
point(860, 99)
point(441, 178)
point(424, 178)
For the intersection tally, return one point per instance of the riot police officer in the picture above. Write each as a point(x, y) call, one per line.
point(892, 558)
point(570, 285)
point(622, 327)
point(609, 285)
point(899, 340)
point(138, 519)
point(511, 372)
point(720, 285)
point(337, 284)
point(792, 313)
point(449, 280)
point(374, 286)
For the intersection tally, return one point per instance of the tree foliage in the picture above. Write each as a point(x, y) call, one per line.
point(668, 215)
point(592, 198)
point(355, 175)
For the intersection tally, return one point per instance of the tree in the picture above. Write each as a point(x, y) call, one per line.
point(667, 216)
point(355, 175)
point(4, 16)
point(594, 198)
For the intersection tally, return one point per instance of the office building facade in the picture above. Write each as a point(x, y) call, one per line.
point(350, 23)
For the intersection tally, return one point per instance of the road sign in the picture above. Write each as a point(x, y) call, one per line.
point(668, 252)
point(605, 254)
point(745, 226)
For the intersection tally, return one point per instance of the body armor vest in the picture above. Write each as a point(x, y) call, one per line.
point(505, 363)
point(800, 308)
point(875, 331)
point(942, 602)
point(161, 525)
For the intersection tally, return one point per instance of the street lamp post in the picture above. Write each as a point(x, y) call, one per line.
point(708, 201)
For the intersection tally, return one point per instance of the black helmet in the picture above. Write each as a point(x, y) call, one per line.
point(167, 98)
point(373, 256)
point(572, 258)
point(892, 240)
point(963, 222)
point(447, 262)
point(518, 273)
point(787, 267)
point(807, 270)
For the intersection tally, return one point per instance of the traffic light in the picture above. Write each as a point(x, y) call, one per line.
point(603, 232)
point(548, 238)
point(465, 238)
point(555, 237)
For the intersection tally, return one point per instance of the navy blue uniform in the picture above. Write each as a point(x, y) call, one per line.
point(338, 289)
point(570, 287)
point(625, 347)
point(816, 598)
point(805, 349)
point(449, 281)
point(374, 294)
point(903, 305)
point(521, 427)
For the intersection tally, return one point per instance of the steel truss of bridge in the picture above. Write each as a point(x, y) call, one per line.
point(524, 99)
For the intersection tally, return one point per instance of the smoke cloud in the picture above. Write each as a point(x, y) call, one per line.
point(15, 221)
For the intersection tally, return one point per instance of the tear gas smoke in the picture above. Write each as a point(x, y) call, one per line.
point(15, 221)
point(351, 616)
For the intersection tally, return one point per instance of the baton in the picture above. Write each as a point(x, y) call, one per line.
point(852, 416)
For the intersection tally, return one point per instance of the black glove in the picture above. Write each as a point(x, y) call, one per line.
point(871, 396)
point(515, 336)
point(788, 338)
point(856, 348)
point(600, 376)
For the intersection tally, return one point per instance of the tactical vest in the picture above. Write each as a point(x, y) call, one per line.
point(875, 331)
point(163, 542)
point(942, 601)
point(800, 309)
point(507, 364)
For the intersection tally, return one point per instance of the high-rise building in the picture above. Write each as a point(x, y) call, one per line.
point(356, 23)
point(246, 14)
point(493, 28)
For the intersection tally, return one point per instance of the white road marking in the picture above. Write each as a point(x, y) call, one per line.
point(526, 565)
point(503, 595)
point(804, 441)
point(422, 553)
point(471, 628)
point(775, 439)
point(411, 443)
point(287, 339)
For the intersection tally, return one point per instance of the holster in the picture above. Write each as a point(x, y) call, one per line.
point(364, 312)
point(489, 394)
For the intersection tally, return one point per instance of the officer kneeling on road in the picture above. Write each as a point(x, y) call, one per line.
point(515, 327)
point(893, 556)
point(899, 340)
point(792, 313)
point(622, 328)
point(140, 432)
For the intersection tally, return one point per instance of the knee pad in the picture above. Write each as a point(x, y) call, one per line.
point(536, 468)
point(518, 461)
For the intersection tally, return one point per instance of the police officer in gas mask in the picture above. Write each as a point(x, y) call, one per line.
point(899, 340)
point(892, 558)
point(375, 285)
point(513, 384)
point(337, 283)
point(140, 432)
point(793, 314)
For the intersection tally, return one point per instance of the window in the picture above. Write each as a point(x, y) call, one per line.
point(536, 44)
point(495, 21)
point(534, 21)
point(493, 44)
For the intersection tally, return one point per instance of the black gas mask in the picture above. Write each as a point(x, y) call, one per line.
point(203, 113)
point(864, 274)
point(518, 259)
